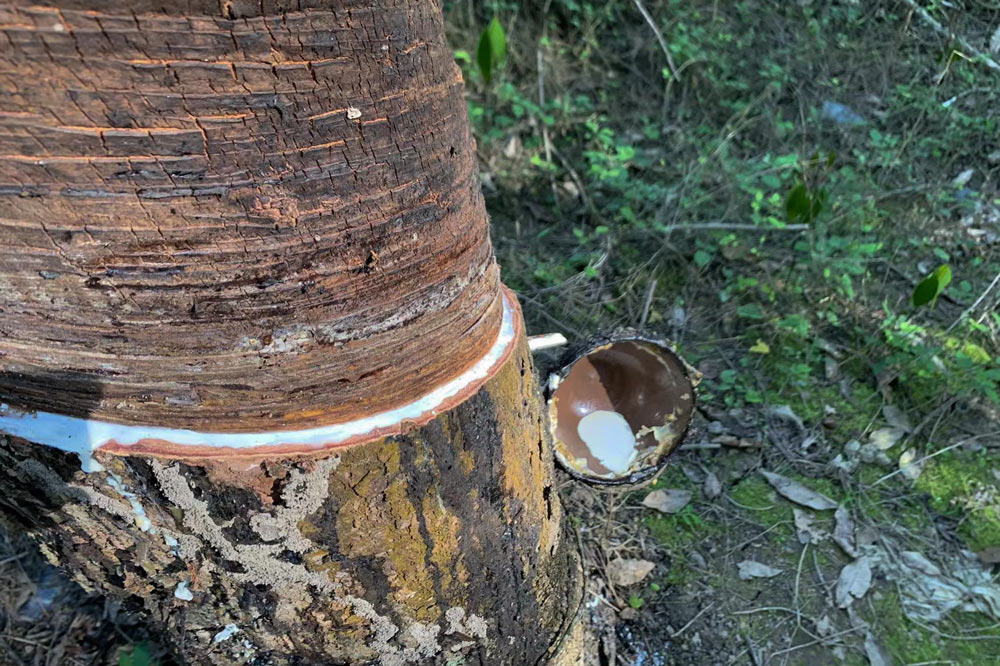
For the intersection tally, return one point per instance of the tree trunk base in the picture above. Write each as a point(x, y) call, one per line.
point(441, 545)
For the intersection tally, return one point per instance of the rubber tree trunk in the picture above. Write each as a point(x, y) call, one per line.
point(246, 281)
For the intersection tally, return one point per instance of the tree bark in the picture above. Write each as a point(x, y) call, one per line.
point(245, 265)
point(194, 193)
point(441, 545)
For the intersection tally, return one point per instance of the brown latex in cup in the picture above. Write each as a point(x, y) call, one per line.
point(620, 409)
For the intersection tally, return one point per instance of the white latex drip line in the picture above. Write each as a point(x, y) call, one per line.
point(84, 436)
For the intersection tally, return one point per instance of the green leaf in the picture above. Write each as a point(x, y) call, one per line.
point(702, 258)
point(931, 286)
point(797, 203)
point(750, 311)
point(800, 204)
point(137, 656)
point(492, 49)
point(463, 56)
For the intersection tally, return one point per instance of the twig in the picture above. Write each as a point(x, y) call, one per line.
point(12, 558)
point(647, 302)
point(798, 575)
point(754, 538)
point(659, 38)
point(706, 446)
point(736, 227)
point(969, 310)
point(918, 462)
point(692, 620)
point(940, 29)
point(985, 637)
point(542, 311)
point(576, 181)
point(815, 642)
point(545, 130)
point(764, 609)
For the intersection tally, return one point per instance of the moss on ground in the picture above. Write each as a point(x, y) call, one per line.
point(680, 533)
point(759, 504)
point(909, 643)
point(965, 489)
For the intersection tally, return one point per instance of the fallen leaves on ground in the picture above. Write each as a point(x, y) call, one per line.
point(909, 466)
point(798, 493)
point(931, 590)
point(629, 572)
point(854, 581)
point(843, 531)
point(712, 487)
point(886, 438)
point(671, 500)
point(990, 556)
point(805, 526)
point(874, 652)
point(750, 569)
point(896, 418)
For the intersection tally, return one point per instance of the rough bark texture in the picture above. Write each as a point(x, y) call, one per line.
point(194, 194)
point(438, 546)
point(247, 216)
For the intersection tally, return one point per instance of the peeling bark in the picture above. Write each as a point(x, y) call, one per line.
point(438, 546)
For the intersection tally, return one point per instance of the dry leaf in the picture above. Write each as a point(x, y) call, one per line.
point(692, 475)
point(712, 487)
point(909, 466)
point(963, 178)
point(895, 417)
point(990, 556)
point(785, 413)
point(874, 652)
point(750, 569)
point(806, 528)
point(798, 493)
point(843, 531)
point(671, 500)
point(885, 438)
point(917, 561)
point(854, 581)
point(628, 572)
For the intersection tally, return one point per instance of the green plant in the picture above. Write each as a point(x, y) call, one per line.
point(139, 655)
point(492, 49)
point(928, 289)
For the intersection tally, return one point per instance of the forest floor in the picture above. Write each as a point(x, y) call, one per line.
point(766, 189)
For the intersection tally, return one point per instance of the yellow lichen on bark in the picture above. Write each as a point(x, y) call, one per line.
point(443, 528)
point(527, 473)
point(378, 519)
